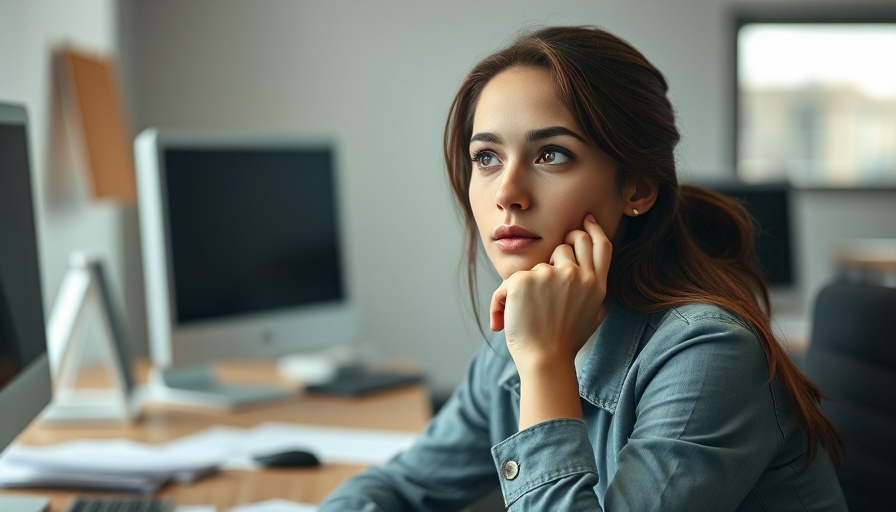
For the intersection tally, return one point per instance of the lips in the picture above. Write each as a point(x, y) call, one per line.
point(512, 238)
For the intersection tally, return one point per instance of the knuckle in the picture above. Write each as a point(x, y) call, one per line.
point(603, 243)
point(577, 235)
point(569, 274)
point(590, 281)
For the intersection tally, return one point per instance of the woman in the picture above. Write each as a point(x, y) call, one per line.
point(633, 366)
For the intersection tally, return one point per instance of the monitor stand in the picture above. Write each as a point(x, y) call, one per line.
point(24, 504)
point(197, 386)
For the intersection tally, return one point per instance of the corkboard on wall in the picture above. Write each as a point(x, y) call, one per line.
point(92, 96)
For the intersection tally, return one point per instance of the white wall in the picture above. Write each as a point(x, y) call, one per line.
point(68, 219)
point(380, 76)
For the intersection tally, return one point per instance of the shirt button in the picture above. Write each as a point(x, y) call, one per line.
point(510, 469)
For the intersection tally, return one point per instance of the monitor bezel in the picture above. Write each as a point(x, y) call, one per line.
point(261, 335)
point(734, 188)
point(24, 397)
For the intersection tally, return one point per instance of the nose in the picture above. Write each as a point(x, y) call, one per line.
point(513, 190)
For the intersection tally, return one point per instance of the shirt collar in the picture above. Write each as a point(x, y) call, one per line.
point(611, 356)
point(608, 361)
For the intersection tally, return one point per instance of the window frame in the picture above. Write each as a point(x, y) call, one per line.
point(805, 13)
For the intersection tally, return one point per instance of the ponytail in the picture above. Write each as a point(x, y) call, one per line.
point(706, 254)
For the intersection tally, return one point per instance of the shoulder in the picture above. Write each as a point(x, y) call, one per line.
point(699, 317)
point(706, 321)
point(704, 336)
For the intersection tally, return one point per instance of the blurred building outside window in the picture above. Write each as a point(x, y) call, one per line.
point(817, 103)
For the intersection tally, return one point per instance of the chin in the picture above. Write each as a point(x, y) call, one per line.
point(505, 272)
point(507, 266)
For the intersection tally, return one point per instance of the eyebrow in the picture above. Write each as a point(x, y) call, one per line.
point(531, 136)
point(553, 131)
point(485, 137)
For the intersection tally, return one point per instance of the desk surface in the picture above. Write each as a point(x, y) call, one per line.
point(406, 408)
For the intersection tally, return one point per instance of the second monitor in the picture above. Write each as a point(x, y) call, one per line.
point(244, 255)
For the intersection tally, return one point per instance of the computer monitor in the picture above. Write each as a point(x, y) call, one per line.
point(244, 255)
point(25, 385)
point(770, 206)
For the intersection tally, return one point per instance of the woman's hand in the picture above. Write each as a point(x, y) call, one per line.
point(548, 313)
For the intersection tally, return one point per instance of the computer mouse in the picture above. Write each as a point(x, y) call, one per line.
point(294, 458)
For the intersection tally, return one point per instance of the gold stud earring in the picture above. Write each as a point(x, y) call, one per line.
point(635, 211)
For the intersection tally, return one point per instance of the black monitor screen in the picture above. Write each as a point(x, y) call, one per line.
point(251, 230)
point(22, 328)
point(769, 205)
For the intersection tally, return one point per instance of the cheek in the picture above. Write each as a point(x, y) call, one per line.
point(480, 195)
point(608, 219)
point(478, 203)
point(609, 224)
point(605, 208)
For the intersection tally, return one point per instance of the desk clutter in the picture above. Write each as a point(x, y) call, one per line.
point(274, 506)
point(83, 504)
point(122, 465)
point(162, 505)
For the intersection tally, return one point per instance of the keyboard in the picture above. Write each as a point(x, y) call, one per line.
point(129, 504)
point(359, 381)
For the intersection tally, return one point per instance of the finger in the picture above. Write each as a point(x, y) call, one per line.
point(496, 308)
point(602, 249)
point(583, 248)
point(563, 255)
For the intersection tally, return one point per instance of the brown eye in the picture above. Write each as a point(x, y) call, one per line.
point(486, 159)
point(554, 156)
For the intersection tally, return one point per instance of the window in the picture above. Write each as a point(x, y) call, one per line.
point(816, 98)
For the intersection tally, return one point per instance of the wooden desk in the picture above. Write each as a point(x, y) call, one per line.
point(406, 409)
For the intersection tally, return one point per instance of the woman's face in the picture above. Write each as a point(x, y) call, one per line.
point(535, 175)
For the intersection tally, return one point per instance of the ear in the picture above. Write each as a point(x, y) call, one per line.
point(638, 195)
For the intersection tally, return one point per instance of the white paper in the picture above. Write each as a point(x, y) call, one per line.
point(24, 476)
point(117, 456)
point(330, 444)
point(119, 464)
point(115, 465)
point(275, 506)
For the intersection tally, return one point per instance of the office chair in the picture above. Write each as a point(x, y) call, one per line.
point(852, 358)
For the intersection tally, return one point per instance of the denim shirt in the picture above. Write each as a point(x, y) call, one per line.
point(679, 414)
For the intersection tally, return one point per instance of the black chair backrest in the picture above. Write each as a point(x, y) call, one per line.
point(852, 358)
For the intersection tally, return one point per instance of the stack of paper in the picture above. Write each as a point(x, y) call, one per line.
point(114, 465)
point(332, 445)
point(275, 506)
point(128, 466)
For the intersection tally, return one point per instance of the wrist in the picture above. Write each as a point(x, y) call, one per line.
point(536, 366)
point(548, 391)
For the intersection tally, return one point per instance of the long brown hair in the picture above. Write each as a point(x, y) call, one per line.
point(692, 246)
